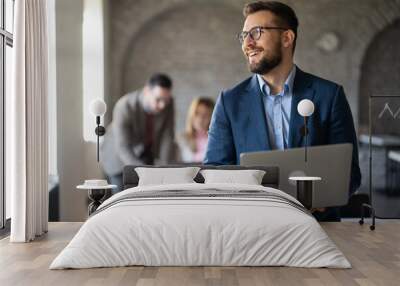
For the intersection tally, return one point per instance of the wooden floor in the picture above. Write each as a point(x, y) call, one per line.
point(375, 256)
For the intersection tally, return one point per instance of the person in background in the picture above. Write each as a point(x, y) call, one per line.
point(142, 129)
point(193, 142)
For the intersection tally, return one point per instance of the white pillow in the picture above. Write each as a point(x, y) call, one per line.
point(248, 177)
point(162, 176)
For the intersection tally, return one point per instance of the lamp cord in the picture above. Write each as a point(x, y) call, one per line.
point(98, 153)
point(98, 136)
point(305, 135)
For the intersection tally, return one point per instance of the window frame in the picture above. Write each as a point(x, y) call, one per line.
point(6, 39)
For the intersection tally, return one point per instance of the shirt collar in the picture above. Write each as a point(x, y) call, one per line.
point(288, 85)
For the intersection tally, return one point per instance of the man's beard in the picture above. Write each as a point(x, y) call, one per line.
point(265, 65)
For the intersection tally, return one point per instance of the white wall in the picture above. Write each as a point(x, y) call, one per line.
point(69, 108)
point(76, 159)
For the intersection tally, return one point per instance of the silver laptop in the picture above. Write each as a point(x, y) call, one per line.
point(330, 162)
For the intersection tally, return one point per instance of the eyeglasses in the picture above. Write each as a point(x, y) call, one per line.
point(255, 33)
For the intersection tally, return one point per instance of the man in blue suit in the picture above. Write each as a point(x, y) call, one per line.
point(260, 113)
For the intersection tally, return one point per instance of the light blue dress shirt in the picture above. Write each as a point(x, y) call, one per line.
point(277, 111)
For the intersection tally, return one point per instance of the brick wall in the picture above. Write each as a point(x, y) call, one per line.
point(194, 41)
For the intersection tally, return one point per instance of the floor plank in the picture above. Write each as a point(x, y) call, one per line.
point(374, 255)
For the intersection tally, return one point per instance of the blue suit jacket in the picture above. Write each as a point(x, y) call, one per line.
point(239, 123)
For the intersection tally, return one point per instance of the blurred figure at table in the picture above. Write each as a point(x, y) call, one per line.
point(193, 142)
point(142, 130)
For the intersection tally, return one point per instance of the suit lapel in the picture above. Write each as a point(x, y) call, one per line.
point(302, 89)
point(257, 114)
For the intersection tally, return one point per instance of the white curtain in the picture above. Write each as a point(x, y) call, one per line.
point(27, 123)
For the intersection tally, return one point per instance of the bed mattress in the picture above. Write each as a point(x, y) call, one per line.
point(201, 225)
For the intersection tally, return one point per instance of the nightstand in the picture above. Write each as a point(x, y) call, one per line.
point(97, 194)
point(305, 186)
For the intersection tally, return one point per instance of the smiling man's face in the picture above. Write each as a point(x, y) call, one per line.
point(264, 54)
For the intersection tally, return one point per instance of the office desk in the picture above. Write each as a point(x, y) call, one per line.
point(394, 170)
point(387, 143)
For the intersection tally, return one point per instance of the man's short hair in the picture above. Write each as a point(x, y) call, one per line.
point(161, 80)
point(285, 15)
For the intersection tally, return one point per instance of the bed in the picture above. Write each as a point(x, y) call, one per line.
point(201, 224)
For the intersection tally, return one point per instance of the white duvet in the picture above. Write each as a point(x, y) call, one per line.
point(200, 231)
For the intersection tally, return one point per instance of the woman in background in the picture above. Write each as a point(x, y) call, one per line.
point(193, 142)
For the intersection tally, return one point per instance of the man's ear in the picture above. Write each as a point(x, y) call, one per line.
point(288, 38)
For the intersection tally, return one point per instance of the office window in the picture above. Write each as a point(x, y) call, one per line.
point(93, 62)
point(6, 63)
point(9, 15)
